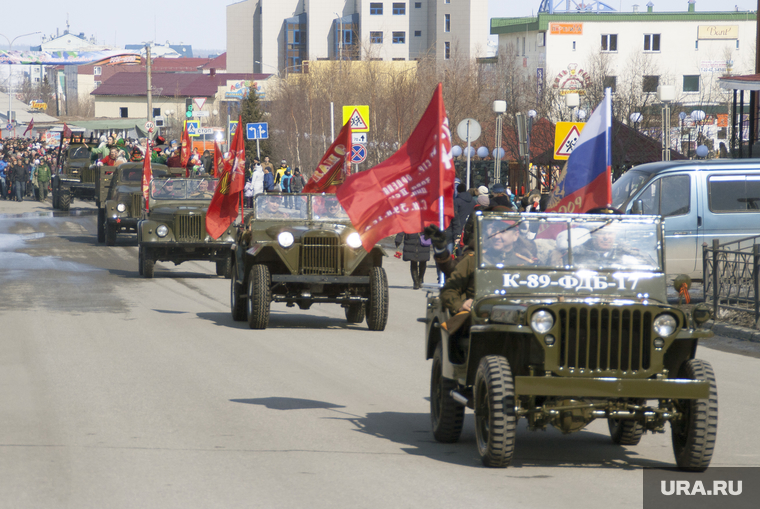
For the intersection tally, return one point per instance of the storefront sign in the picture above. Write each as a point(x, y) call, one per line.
point(718, 32)
point(566, 28)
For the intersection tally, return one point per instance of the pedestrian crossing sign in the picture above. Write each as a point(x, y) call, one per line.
point(358, 116)
point(566, 136)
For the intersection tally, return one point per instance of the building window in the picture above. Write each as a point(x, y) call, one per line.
point(609, 42)
point(375, 9)
point(691, 83)
point(447, 22)
point(696, 44)
point(399, 9)
point(523, 51)
point(573, 45)
point(376, 37)
point(446, 50)
point(399, 37)
point(418, 33)
point(447, 1)
point(418, 5)
point(651, 42)
point(402, 58)
point(124, 112)
point(611, 83)
point(97, 84)
point(649, 86)
point(97, 70)
point(156, 112)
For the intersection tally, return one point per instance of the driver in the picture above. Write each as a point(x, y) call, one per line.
point(272, 208)
point(169, 190)
point(332, 209)
point(202, 190)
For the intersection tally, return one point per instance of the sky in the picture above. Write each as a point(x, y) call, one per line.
point(202, 23)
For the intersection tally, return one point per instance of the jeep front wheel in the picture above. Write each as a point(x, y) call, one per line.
point(495, 417)
point(224, 267)
point(237, 301)
point(259, 297)
point(695, 430)
point(377, 306)
point(64, 201)
point(110, 234)
point(355, 313)
point(446, 415)
point(147, 263)
point(625, 432)
point(101, 222)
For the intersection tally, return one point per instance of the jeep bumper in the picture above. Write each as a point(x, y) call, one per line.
point(611, 387)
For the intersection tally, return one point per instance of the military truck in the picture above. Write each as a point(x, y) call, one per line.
point(174, 228)
point(118, 195)
point(77, 177)
point(301, 249)
point(562, 319)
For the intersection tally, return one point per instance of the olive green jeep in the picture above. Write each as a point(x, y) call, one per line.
point(174, 228)
point(119, 197)
point(77, 178)
point(301, 249)
point(568, 322)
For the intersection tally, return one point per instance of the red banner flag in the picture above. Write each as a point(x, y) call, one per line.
point(218, 156)
point(185, 150)
point(332, 169)
point(66, 131)
point(402, 193)
point(147, 177)
point(222, 210)
point(29, 127)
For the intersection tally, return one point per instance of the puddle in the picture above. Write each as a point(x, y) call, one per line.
point(11, 260)
point(52, 213)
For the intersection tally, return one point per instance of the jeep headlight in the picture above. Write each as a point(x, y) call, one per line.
point(162, 231)
point(354, 240)
point(665, 325)
point(542, 321)
point(285, 239)
point(121, 207)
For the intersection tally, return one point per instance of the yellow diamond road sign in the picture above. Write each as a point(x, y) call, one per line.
point(358, 116)
point(566, 136)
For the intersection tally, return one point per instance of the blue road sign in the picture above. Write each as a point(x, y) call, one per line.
point(358, 153)
point(258, 131)
point(9, 127)
point(233, 127)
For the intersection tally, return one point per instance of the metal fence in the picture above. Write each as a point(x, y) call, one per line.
point(731, 275)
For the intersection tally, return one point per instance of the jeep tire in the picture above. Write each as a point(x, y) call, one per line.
point(355, 312)
point(64, 201)
point(237, 301)
point(446, 415)
point(224, 267)
point(101, 223)
point(377, 305)
point(625, 431)
point(147, 263)
point(694, 434)
point(259, 297)
point(495, 417)
point(109, 234)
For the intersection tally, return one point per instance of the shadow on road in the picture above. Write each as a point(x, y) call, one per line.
point(287, 403)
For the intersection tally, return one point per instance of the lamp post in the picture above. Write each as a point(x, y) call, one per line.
point(10, 72)
point(572, 101)
point(666, 94)
point(635, 119)
point(499, 107)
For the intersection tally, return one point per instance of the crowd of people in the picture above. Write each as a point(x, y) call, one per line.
point(26, 168)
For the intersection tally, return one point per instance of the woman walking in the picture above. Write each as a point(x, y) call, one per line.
point(417, 252)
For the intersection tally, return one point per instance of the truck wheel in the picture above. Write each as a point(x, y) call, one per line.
point(64, 201)
point(625, 432)
point(237, 301)
point(101, 225)
point(355, 313)
point(110, 234)
point(495, 417)
point(259, 297)
point(695, 432)
point(224, 267)
point(377, 306)
point(148, 263)
point(139, 259)
point(446, 415)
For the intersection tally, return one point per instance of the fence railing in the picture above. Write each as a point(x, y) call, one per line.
point(731, 273)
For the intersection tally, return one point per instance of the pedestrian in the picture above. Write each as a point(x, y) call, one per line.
point(19, 178)
point(207, 161)
point(3, 166)
point(248, 193)
point(500, 196)
point(534, 201)
point(416, 251)
point(43, 174)
point(285, 185)
point(257, 178)
point(464, 203)
point(268, 180)
point(297, 182)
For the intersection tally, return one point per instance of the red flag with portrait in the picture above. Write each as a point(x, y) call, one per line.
point(146, 178)
point(222, 210)
point(402, 193)
point(333, 168)
point(218, 158)
point(185, 150)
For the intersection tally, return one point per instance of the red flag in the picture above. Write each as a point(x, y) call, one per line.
point(222, 210)
point(332, 169)
point(29, 127)
point(66, 131)
point(147, 177)
point(186, 150)
point(218, 155)
point(402, 193)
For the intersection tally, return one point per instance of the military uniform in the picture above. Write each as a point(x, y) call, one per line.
point(589, 255)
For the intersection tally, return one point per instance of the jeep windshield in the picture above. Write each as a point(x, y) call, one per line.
point(79, 153)
point(183, 189)
point(565, 241)
point(327, 208)
point(281, 206)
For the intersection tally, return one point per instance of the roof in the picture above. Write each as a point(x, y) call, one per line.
point(746, 82)
point(169, 84)
point(217, 63)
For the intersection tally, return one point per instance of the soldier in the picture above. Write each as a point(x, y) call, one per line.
point(43, 173)
point(272, 210)
point(202, 191)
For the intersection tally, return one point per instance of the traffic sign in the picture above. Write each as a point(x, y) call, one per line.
point(566, 136)
point(197, 113)
point(204, 130)
point(358, 116)
point(468, 130)
point(9, 127)
point(149, 126)
point(233, 126)
point(358, 138)
point(257, 131)
point(192, 127)
point(199, 102)
point(358, 153)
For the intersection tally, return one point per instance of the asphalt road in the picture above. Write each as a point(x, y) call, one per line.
point(120, 392)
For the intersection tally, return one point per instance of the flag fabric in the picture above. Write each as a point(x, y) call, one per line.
point(222, 210)
point(29, 127)
point(147, 177)
point(218, 157)
point(66, 131)
point(402, 193)
point(185, 150)
point(585, 182)
point(333, 168)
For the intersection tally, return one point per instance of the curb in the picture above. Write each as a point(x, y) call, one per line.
point(736, 332)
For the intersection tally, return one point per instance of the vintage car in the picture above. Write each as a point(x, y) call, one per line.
point(301, 249)
point(569, 321)
point(118, 195)
point(77, 177)
point(174, 229)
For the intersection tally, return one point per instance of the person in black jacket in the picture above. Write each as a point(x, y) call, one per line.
point(417, 252)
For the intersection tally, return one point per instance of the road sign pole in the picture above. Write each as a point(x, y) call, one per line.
point(258, 151)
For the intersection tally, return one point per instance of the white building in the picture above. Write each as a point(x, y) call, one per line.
point(266, 35)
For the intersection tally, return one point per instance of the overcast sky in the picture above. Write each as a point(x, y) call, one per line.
point(201, 23)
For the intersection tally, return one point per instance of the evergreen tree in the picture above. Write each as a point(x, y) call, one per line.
point(250, 109)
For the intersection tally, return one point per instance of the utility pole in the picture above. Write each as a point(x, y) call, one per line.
point(150, 88)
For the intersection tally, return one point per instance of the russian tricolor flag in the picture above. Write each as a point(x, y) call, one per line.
point(585, 182)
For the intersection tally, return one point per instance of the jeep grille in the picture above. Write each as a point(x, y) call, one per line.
point(320, 255)
point(88, 175)
point(136, 205)
point(189, 228)
point(605, 340)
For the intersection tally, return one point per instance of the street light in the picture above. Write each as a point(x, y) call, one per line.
point(10, 72)
point(499, 107)
point(666, 94)
point(572, 101)
point(635, 119)
point(581, 115)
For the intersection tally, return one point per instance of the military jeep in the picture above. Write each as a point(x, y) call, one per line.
point(77, 177)
point(119, 197)
point(174, 229)
point(568, 322)
point(301, 249)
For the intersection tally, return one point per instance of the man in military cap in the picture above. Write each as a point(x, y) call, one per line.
point(599, 247)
